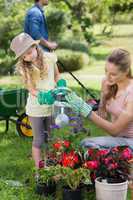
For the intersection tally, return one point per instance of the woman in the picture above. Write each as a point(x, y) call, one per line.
point(39, 71)
point(115, 114)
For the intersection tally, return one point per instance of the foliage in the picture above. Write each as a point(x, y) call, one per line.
point(121, 6)
point(72, 60)
point(61, 21)
point(74, 45)
point(49, 174)
point(7, 65)
point(11, 23)
point(75, 17)
point(68, 168)
point(74, 178)
point(18, 166)
point(88, 12)
point(111, 165)
point(65, 153)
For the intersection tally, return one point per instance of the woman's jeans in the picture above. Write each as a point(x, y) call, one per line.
point(107, 142)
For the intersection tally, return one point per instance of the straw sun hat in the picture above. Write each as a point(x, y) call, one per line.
point(21, 43)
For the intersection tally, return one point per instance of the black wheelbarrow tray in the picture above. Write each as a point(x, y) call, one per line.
point(12, 108)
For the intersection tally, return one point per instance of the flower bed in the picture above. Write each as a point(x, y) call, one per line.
point(75, 168)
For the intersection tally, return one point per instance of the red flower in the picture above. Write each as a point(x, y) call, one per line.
point(70, 159)
point(66, 143)
point(57, 145)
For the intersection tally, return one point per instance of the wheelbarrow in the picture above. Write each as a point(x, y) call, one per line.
point(12, 108)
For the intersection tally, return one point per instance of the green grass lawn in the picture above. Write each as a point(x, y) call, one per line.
point(15, 151)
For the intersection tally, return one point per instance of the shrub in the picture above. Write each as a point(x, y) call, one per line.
point(6, 65)
point(74, 45)
point(72, 60)
point(60, 23)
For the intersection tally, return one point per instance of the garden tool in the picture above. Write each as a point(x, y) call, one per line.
point(62, 111)
point(56, 97)
point(94, 101)
point(62, 119)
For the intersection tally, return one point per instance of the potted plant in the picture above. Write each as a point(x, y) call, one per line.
point(47, 181)
point(72, 173)
point(110, 170)
point(73, 181)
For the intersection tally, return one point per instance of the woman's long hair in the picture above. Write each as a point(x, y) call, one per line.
point(121, 59)
point(29, 72)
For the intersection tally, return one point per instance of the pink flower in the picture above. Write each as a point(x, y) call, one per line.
point(107, 160)
point(127, 154)
point(115, 149)
point(92, 165)
point(92, 176)
point(102, 152)
point(113, 166)
point(90, 152)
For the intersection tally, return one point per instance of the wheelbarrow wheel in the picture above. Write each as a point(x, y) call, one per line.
point(23, 126)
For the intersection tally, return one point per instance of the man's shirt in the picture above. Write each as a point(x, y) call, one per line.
point(35, 24)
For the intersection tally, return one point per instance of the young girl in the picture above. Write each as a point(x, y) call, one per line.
point(39, 72)
point(115, 113)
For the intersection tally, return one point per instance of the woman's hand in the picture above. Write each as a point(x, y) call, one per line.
point(78, 104)
point(105, 86)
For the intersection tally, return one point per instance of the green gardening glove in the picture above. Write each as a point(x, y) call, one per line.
point(45, 97)
point(61, 83)
point(78, 104)
point(61, 87)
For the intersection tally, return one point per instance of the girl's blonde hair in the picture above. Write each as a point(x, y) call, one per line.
point(30, 72)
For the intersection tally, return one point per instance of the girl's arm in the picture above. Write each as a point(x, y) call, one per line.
point(33, 91)
point(28, 84)
point(114, 128)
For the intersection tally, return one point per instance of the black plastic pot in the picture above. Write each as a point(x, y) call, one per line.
point(46, 190)
point(89, 187)
point(69, 194)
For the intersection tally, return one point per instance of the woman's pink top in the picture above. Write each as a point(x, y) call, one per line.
point(116, 106)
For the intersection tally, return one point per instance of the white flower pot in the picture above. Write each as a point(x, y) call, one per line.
point(111, 191)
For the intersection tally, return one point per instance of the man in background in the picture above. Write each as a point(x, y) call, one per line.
point(35, 25)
